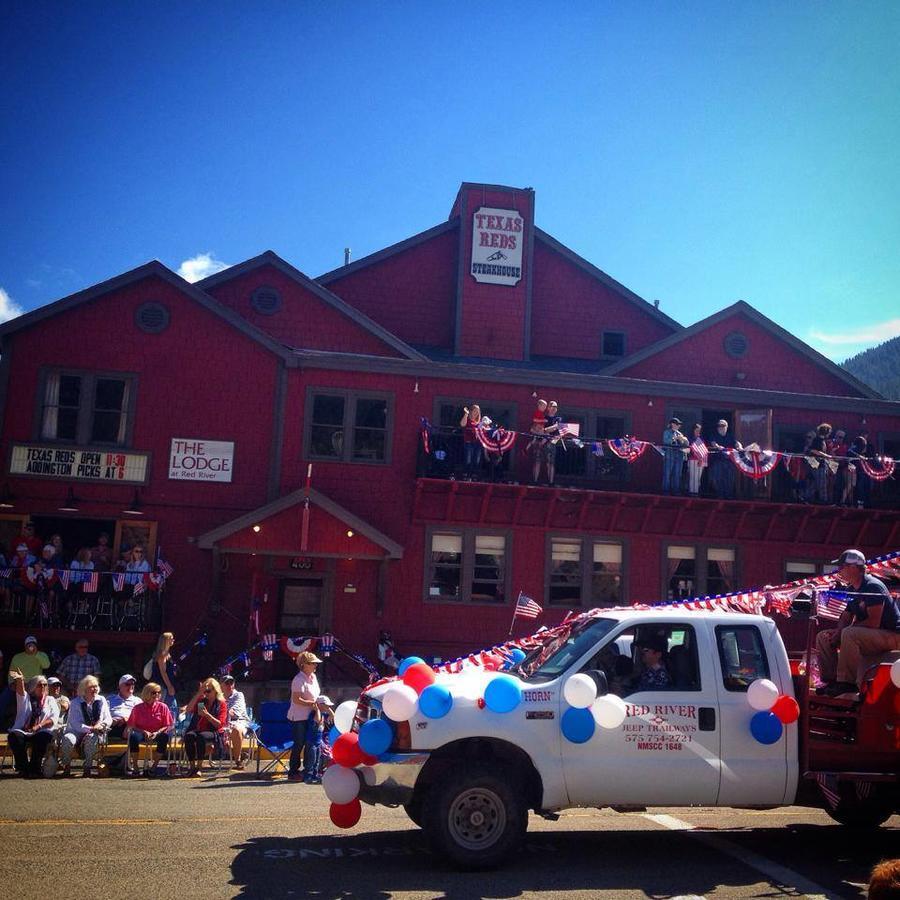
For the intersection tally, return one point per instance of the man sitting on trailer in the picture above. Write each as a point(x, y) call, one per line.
point(869, 626)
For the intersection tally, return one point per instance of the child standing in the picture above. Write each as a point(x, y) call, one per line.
point(320, 721)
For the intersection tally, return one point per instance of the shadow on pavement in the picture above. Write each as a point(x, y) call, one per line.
point(658, 863)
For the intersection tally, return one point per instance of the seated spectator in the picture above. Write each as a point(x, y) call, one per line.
point(209, 716)
point(136, 565)
point(88, 720)
point(52, 558)
point(238, 720)
point(121, 704)
point(102, 554)
point(655, 676)
point(54, 686)
point(149, 721)
point(81, 565)
point(77, 665)
point(37, 714)
point(32, 541)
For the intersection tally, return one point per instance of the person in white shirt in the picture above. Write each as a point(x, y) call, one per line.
point(89, 719)
point(36, 716)
point(121, 704)
point(304, 691)
point(238, 720)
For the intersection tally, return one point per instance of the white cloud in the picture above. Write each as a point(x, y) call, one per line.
point(9, 309)
point(201, 266)
point(869, 334)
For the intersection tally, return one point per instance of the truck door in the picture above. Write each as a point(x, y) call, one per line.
point(754, 774)
point(667, 751)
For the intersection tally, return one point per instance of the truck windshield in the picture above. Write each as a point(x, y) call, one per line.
point(564, 648)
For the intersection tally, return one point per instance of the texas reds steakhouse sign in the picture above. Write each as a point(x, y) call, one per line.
point(497, 246)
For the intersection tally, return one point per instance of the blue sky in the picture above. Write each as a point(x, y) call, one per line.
point(699, 152)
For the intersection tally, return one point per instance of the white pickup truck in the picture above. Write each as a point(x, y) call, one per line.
point(470, 777)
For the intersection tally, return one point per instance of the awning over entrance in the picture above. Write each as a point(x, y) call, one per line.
point(277, 529)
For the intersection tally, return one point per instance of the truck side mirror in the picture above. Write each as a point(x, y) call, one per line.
point(600, 680)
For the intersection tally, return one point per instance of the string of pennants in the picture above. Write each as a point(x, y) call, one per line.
point(43, 579)
point(751, 461)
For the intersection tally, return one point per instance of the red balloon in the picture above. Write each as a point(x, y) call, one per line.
point(346, 752)
point(368, 759)
point(787, 709)
point(418, 677)
point(345, 815)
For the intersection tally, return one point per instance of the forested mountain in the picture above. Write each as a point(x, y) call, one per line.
point(878, 367)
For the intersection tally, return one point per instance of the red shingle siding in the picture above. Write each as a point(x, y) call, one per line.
point(304, 319)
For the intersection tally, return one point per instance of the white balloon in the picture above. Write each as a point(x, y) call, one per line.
point(340, 785)
point(344, 715)
point(608, 711)
point(469, 685)
point(762, 694)
point(895, 673)
point(580, 691)
point(400, 702)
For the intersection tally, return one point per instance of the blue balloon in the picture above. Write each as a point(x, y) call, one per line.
point(517, 655)
point(435, 701)
point(578, 725)
point(766, 727)
point(333, 735)
point(407, 662)
point(502, 694)
point(375, 737)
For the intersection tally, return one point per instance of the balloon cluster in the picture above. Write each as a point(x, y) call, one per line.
point(587, 710)
point(895, 673)
point(774, 710)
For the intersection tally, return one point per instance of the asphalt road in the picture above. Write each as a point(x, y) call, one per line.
point(233, 836)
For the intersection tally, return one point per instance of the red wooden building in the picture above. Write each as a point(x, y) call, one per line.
point(184, 418)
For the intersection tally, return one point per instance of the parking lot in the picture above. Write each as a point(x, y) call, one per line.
point(235, 836)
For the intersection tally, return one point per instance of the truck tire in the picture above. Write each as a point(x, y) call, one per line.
point(476, 817)
point(861, 812)
point(414, 811)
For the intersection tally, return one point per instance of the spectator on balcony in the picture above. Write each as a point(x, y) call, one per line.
point(36, 716)
point(57, 543)
point(536, 444)
point(121, 704)
point(55, 688)
point(553, 426)
point(698, 457)
point(31, 540)
point(823, 472)
point(470, 423)
point(859, 450)
point(238, 719)
point(841, 488)
point(77, 666)
point(89, 719)
point(81, 565)
point(675, 449)
point(102, 554)
point(721, 469)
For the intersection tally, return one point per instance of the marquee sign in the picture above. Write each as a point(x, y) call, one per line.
point(84, 465)
point(196, 460)
point(497, 236)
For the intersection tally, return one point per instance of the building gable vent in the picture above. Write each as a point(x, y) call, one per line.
point(736, 345)
point(266, 300)
point(152, 317)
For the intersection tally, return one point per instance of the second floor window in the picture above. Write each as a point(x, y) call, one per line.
point(348, 427)
point(699, 571)
point(86, 408)
point(467, 567)
point(584, 572)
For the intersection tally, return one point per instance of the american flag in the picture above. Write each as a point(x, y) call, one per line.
point(526, 607)
point(832, 604)
point(162, 566)
point(91, 584)
point(699, 452)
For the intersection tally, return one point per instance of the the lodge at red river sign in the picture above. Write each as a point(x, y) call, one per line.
point(191, 459)
point(80, 465)
point(497, 246)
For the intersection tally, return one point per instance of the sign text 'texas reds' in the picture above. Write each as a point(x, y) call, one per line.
point(193, 460)
point(497, 237)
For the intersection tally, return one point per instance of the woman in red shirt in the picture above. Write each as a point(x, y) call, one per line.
point(209, 716)
point(149, 721)
point(470, 423)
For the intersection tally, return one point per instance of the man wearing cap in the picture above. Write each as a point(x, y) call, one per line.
point(238, 719)
point(869, 626)
point(721, 469)
point(304, 691)
point(54, 689)
point(675, 450)
point(78, 665)
point(31, 661)
point(121, 704)
point(654, 676)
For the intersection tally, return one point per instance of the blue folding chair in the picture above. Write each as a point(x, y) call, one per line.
point(273, 734)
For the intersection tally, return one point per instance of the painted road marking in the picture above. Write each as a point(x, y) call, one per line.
point(173, 821)
point(779, 875)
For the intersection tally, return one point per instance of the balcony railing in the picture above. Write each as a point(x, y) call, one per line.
point(579, 467)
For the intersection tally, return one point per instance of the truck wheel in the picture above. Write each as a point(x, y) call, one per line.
point(414, 811)
point(475, 818)
point(861, 812)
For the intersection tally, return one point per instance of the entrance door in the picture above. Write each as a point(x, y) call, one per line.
point(301, 607)
point(754, 426)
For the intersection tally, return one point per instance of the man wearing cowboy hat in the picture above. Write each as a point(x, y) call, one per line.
point(868, 627)
point(675, 448)
point(304, 691)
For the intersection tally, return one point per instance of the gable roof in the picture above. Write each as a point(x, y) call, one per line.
point(744, 308)
point(605, 279)
point(148, 270)
point(387, 252)
point(270, 258)
point(392, 548)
